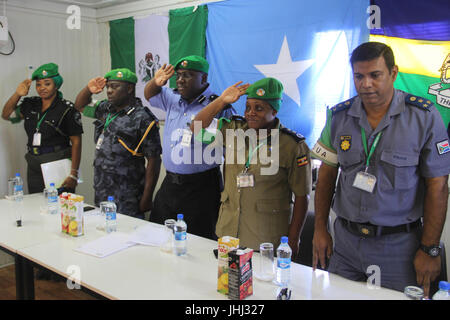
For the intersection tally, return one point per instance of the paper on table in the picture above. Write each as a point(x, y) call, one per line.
point(56, 172)
point(149, 235)
point(107, 245)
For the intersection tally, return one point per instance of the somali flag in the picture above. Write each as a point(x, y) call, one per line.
point(304, 44)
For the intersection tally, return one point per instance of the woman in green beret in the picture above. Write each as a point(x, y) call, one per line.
point(267, 167)
point(52, 125)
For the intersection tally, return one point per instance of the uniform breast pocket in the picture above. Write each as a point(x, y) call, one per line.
point(399, 169)
point(350, 163)
point(124, 140)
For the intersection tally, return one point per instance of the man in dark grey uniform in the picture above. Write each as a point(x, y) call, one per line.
point(125, 134)
point(393, 154)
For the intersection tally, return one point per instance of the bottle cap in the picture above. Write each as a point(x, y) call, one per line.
point(180, 216)
point(414, 293)
point(284, 239)
point(444, 285)
point(17, 174)
point(110, 198)
point(52, 184)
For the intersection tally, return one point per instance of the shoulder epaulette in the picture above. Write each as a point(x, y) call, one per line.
point(67, 103)
point(419, 102)
point(297, 136)
point(237, 117)
point(342, 106)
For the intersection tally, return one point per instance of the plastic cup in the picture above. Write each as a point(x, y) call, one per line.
point(169, 226)
point(266, 266)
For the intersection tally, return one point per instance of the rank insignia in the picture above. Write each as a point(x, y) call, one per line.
point(302, 161)
point(346, 143)
point(260, 92)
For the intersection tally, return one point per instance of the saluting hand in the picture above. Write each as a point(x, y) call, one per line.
point(96, 85)
point(24, 87)
point(233, 93)
point(164, 74)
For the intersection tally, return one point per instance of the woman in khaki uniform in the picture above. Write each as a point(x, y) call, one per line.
point(267, 167)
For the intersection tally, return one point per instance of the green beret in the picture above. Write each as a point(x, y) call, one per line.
point(268, 89)
point(196, 63)
point(122, 74)
point(48, 70)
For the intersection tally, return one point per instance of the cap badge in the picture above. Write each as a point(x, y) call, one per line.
point(184, 64)
point(260, 92)
point(119, 74)
point(44, 73)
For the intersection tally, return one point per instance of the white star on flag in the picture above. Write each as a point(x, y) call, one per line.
point(287, 71)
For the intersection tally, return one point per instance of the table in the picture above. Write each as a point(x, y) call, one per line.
point(145, 272)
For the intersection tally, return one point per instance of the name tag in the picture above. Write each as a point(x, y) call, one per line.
point(187, 137)
point(365, 181)
point(99, 142)
point(245, 180)
point(37, 139)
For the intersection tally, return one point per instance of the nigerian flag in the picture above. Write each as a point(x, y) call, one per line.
point(143, 45)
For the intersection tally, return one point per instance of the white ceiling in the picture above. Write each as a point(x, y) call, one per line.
point(94, 4)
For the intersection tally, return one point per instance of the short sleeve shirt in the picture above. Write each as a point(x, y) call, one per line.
point(179, 113)
point(281, 168)
point(413, 146)
point(60, 121)
point(126, 130)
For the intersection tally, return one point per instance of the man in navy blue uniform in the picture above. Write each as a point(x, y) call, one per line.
point(391, 197)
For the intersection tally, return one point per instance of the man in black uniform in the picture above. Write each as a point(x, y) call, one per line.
point(52, 125)
point(126, 133)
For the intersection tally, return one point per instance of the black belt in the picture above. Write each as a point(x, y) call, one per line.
point(43, 150)
point(370, 230)
point(177, 178)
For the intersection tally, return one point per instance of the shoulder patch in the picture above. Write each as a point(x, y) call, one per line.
point(237, 117)
point(342, 106)
point(419, 102)
point(297, 136)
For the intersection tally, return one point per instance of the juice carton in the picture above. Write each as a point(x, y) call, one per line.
point(76, 217)
point(63, 198)
point(72, 219)
point(240, 278)
point(226, 244)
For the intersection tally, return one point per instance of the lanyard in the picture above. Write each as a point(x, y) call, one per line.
point(109, 119)
point(40, 121)
point(251, 152)
point(372, 149)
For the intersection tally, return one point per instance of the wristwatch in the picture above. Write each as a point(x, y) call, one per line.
point(432, 251)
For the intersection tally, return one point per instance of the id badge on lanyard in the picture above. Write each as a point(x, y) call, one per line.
point(100, 141)
point(37, 135)
point(364, 180)
point(245, 179)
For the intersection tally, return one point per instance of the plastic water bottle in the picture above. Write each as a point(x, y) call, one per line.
point(444, 291)
point(52, 199)
point(284, 253)
point(18, 198)
point(180, 236)
point(18, 188)
point(110, 214)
